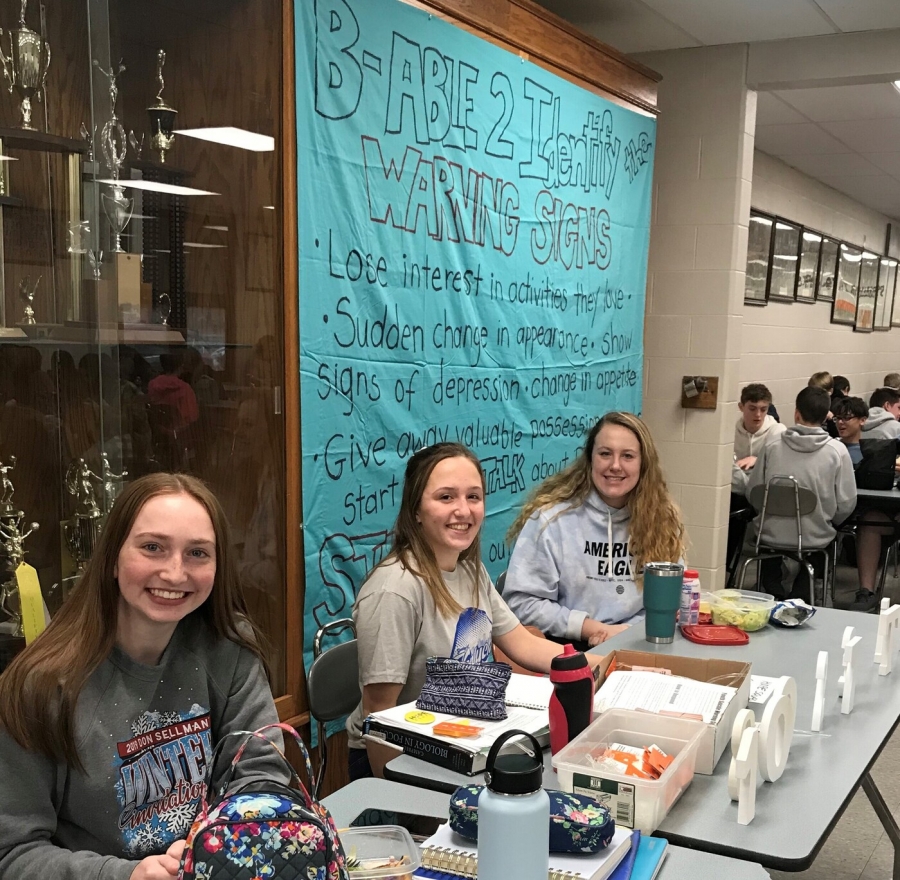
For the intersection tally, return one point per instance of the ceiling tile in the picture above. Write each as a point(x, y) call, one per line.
point(844, 103)
point(889, 162)
point(772, 110)
point(862, 15)
point(799, 139)
point(743, 21)
point(832, 165)
point(625, 25)
point(867, 135)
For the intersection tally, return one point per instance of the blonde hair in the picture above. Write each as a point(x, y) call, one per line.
point(411, 548)
point(821, 380)
point(656, 530)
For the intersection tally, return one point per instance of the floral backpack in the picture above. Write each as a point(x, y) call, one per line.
point(264, 829)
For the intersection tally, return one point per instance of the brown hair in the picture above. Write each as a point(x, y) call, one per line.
point(39, 690)
point(656, 530)
point(410, 546)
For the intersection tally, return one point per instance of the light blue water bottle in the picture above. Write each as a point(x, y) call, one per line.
point(514, 815)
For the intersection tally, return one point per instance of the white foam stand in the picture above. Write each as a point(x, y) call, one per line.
point(819, 700)
point(744, 765)
point(776, 729)
point(888, 621)
point(845, 638)
point(849, 677)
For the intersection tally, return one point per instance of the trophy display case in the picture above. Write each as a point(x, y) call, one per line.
point(141, 295)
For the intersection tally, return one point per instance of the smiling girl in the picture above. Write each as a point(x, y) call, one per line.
point(108, 719)
point(431, 596)
point(584, 535)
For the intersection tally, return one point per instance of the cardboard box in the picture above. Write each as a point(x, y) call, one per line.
point(730, 672)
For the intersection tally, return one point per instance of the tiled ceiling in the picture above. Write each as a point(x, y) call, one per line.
point(845, 136)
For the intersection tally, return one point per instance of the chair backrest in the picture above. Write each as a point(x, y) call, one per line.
point(333, 681)
point(501, 582)
point(783, 496)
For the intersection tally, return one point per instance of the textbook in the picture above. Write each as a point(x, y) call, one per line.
point(469, 755)
point(446, 856)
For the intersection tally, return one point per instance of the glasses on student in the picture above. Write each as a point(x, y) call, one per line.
point(846, 418)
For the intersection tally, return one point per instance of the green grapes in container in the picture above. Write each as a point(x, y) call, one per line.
point(745, 610)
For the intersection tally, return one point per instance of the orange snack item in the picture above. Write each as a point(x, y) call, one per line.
point(459, 731)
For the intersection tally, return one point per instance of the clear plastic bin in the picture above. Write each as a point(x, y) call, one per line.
point(634, 803)
point(746, 610)
point(371, 847)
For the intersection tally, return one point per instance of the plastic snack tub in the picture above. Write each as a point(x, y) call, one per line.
point(633, 802)
point(741, 608)
point(370, 850)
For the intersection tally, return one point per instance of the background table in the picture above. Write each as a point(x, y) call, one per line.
point(379, 794)
point(794, 815)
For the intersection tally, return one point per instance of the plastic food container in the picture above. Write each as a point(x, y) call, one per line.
point(382, 851)
point(745, 610)
point(634, 803)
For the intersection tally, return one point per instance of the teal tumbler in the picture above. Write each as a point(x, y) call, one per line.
point(662, 597)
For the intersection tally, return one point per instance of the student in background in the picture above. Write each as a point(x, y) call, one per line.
point(850, 416)
point(819, 463)
point(825, 381)
point(884, 410)
point(152, 657)
point(892, 380)
point(752, 431)
point(584, 534)
point(840, 391)
point(432, 596)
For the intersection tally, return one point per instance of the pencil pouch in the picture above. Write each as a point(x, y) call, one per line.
point(577, 824)
point(457, 687)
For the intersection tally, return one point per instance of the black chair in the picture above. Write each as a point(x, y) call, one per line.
point(783, 496)
point(332, 684)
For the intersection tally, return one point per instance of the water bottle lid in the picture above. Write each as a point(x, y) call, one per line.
point(569, 659)
point(691, 573)
point(517, 772)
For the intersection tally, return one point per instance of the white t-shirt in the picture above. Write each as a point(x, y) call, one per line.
point(398, 628)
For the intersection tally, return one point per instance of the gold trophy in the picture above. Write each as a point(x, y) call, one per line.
point(25, 68)
point(162, 116)
point(82, 529)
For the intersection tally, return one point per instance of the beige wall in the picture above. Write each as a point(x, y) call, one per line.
point(698, 252)
point(784, 343)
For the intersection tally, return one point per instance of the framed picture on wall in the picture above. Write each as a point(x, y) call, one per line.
point(810, 249)
point(887, 281)
point(759, 249)
point(827, 269)
point(867, 293)
point(846, 285)
point(785, 262)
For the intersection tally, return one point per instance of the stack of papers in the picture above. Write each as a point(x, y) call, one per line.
point(664, 695)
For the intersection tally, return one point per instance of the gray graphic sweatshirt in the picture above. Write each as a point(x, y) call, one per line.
point(570, 564)
point(145, 736)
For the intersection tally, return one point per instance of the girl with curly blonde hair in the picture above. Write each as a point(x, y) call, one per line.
point(585, 534)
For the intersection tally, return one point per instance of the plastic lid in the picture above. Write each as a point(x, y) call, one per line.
point(691, 573)
point(517, 772)
point(715, 635)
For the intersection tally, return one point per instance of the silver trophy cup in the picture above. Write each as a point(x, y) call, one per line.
point(118, 208)
point(25, 68)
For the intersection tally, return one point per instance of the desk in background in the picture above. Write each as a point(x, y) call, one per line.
point(795, 815)
point(379, 794)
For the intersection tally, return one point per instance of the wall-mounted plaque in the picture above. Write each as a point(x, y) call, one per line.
point(785, 260)
point(846, 286)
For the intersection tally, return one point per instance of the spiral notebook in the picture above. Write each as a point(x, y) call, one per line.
point(447, 856)
point(529, 691)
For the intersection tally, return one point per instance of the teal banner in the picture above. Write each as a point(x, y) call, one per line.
point(473, 254)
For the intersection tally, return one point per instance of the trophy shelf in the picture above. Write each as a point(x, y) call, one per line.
point(23, 139)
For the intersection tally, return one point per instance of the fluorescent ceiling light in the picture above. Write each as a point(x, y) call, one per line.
point(896, 84)
point(154, 186)
point(811, 236)
point(8, 159)
point(217, 228)
point(785, 257)
point(888, 262)
point(232, 137)
point(203, 244)
point(783, 226)
point(268, 207)
point(764, 220)
point(868, 256)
